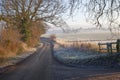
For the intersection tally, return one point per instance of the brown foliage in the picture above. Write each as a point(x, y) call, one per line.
point(36, 29)
point(10, 42)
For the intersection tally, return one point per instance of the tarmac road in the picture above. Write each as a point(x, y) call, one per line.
point(42, 66)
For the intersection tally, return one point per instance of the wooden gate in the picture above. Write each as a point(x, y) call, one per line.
point(109, 46)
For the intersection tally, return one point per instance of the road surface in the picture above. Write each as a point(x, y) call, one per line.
point(42, 66)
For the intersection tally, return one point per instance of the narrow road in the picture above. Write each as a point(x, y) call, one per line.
point(42, 66)
point(33, 68)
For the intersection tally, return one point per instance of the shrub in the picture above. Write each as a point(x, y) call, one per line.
point(79, 45)
point(9, 42)
point(36, 30)
point(13, 42)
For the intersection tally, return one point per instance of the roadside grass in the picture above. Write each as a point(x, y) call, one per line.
point(10, 44)
point(83, 45)
point(80, 46)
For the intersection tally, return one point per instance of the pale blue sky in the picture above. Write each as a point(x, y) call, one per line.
point(78, 20)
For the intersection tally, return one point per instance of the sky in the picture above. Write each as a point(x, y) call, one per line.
point(78, 20)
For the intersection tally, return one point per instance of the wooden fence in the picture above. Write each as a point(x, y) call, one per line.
point(109, 46)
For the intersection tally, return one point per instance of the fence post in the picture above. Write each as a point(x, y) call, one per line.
point(118, 45)
point(109, 48)
point(99, 47)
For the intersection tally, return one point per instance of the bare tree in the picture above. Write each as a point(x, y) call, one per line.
point(31, 9)
point(22, 13)
point(45, 10)
point(99, 11)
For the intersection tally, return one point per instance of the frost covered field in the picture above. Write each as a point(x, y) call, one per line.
point(77, 48)
point(82, 47)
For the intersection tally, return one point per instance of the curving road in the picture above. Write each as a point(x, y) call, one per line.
point(42, 66)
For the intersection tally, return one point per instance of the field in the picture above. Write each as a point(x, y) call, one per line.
point(82, 48)
point(89, 35)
